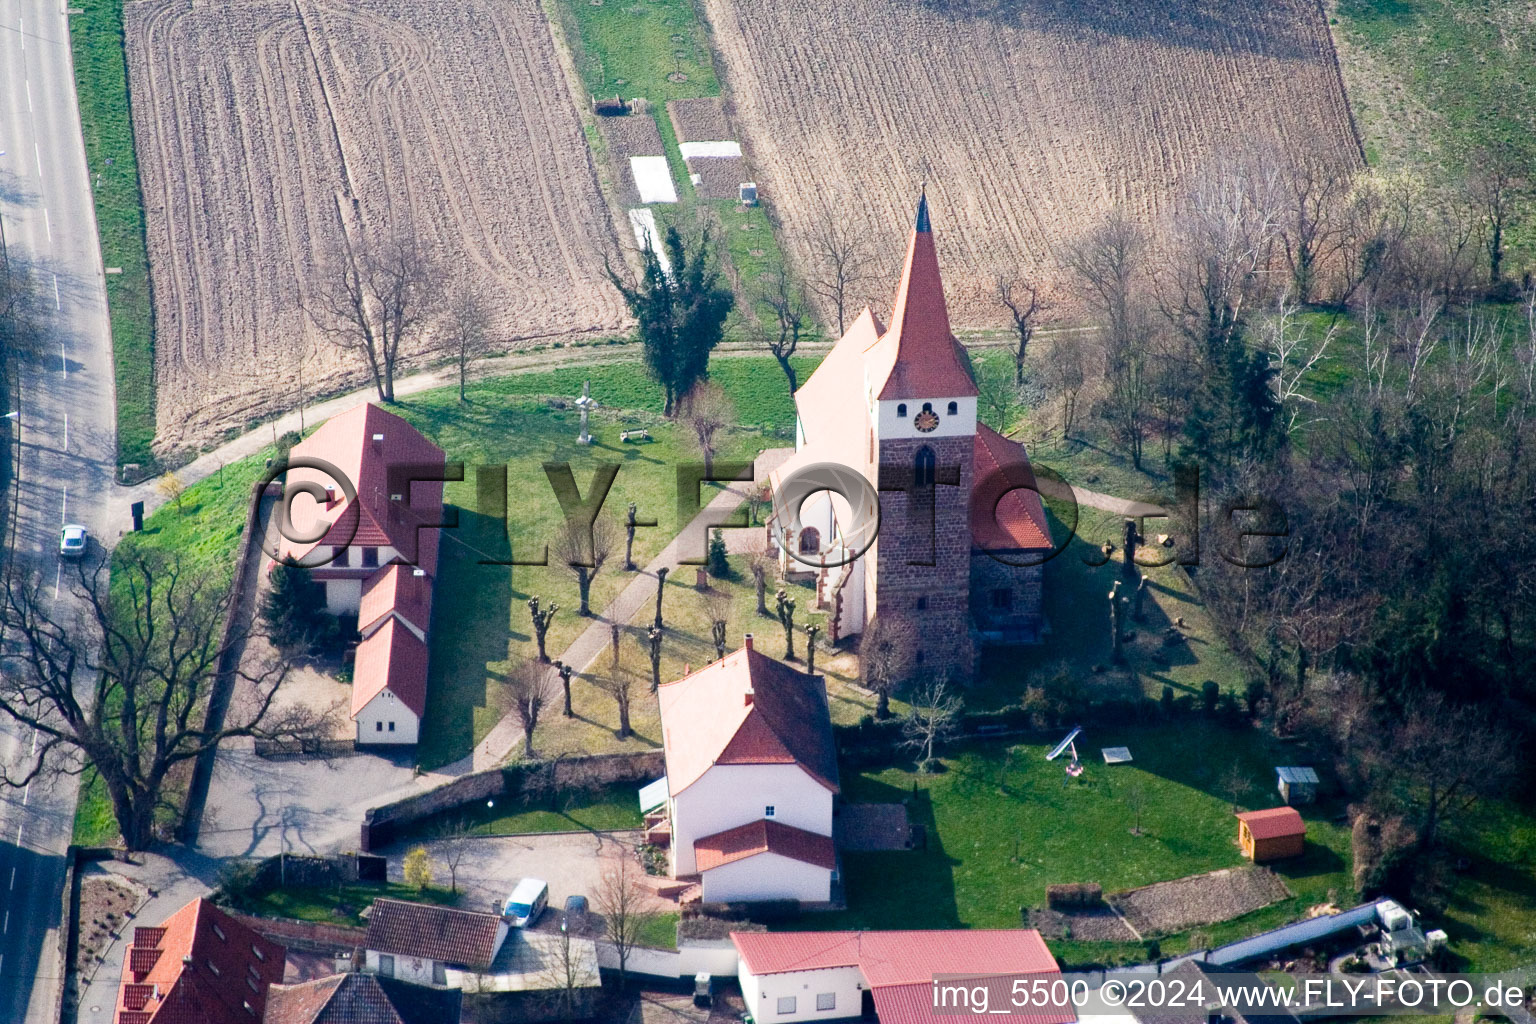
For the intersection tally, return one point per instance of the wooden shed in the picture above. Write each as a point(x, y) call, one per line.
point(1271, 835)
point(1297, 785)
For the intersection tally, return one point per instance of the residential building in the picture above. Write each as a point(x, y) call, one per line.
point(199, 965)
point(419, 943)
point(361, 999)
point(376, 555)
point(962, 534)
point(799, 976)
point(751, 779)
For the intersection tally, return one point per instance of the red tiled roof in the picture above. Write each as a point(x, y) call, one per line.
point(391, 658)
point(707, 720)
point(1003, 519)
point(207, 967)
point(465, 937)
point(1277, 821)
point(398, 589)
point(361, 999)
point(764, 836)
point(346, 442)
point(913, 1004)
point(918, 357)
point(898, 957)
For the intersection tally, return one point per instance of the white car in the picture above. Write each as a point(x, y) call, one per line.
point(73, 541)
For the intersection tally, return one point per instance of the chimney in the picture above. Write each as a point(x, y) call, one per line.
point(378, 442)
point(747, 697)
point(746, 642)
point(330, 497)
point(418, 582)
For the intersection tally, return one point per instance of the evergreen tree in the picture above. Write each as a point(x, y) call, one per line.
point(294, 609)
point(681, 315)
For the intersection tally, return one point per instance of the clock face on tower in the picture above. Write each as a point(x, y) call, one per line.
point(926, 420)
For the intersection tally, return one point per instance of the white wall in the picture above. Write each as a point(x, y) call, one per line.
point(888, 425)
point(415, 969)
point(386, 708)
point(762, 994)
point(767, 876)
point(343, 597)
point(729, 795)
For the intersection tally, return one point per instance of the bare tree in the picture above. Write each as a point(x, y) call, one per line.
point(21, 310)
point(717, 608)
point(933, 718)
point(782, 337)
point(1294, 351)
point(707, 410)
point(583, 552)
point(542, 617)
point(839, 258)
point(529, 687)
point(1499, 184)
point(885, 659)
point(1312, 190)
point(760, 565)
point(449, 841)
point(466, 328)
point(123, 686)
point(565, 967)
point(619, 684)
point(376, 300)
point(1136, 803)
point(1022, 300)
point(622, 902)
point(1065, 373)
point(1235, 783)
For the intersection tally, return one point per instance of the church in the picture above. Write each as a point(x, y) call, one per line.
point(962, 534)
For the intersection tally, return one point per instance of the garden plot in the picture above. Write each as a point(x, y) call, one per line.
point(269, 133)
point(1169, 907)
point(628, 137)
point(643, 222)
point(708, 147)
point(1030, 122)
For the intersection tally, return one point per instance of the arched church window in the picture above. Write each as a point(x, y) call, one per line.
point(901, 410)
point(954, 408)
point(922, 467)
point(810, 541)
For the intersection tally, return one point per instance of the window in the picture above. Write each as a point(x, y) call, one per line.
point(251, 984)
point(391, 726)
point(248, 1007)
point(922, 604)
point(259, 954)
point(213, 967)
point(810, 541)
point(826, 1000)
point(954, 408)
point(901, 410)
point(786, 1004)
point(922, 467)
point(220, 933)
point(386, 965)
point(768, 811)
point(1002, 599)
point(439, 973)
point(370, 557)
point(343, 557)
point(378, 726)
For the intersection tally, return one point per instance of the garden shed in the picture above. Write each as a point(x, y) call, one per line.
point(1271, 835)
point(1297, 785)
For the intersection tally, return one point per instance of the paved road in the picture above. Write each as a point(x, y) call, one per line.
point(68, 442)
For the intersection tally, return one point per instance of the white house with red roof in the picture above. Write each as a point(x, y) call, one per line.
point(961, 530)
point(373, 546)
point(798, 976)
point(751, 778)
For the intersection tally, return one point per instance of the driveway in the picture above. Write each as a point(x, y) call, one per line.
point(573, 863)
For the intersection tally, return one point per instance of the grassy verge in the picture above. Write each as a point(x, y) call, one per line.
point(659, 932)
point(94, 822)
point(612, 807)
point(101, 80)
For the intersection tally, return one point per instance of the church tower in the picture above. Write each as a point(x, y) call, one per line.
point(921, 400)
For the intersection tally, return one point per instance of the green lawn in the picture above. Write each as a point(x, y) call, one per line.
point(96, 36)
point(659, 932)
point(613, 807)
point(342, 905)
point(990, 803)
point(95, 824)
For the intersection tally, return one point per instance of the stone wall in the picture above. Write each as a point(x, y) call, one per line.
point(1020, 622)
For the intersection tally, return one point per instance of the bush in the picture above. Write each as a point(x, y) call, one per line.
point(294, 610)
point(719, 568)
point(1167, 701)
point(1209, 694)
point(1253, 695)
point(418, 868)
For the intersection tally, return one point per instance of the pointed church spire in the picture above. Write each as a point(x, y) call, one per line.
point(925, 363)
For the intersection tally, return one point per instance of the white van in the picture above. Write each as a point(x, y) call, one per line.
point(527, 902)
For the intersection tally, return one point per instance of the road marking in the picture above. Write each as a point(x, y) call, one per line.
point(7, 926)
point(47, 224)
point(57, 304)
point(13, 876)
point(63, 518)
point(28, 85)
point(39, 154)
point(58, 577)
point(66, 432)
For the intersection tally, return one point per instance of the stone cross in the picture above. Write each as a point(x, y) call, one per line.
point(586, 403)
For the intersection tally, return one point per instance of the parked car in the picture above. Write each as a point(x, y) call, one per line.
point(527, 902)
point(574, 918)
point(73, 540)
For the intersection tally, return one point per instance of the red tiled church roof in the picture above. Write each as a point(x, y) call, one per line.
point(764, 836)
point(1003, 518)
point(707, 719)
point(917, 356)
point(206, 967)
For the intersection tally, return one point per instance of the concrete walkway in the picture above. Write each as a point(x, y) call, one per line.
point(641, 592)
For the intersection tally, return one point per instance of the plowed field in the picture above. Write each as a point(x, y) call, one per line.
point(265, 130)
point(1029, 119)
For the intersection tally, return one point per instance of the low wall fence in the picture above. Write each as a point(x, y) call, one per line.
point(385, 824)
